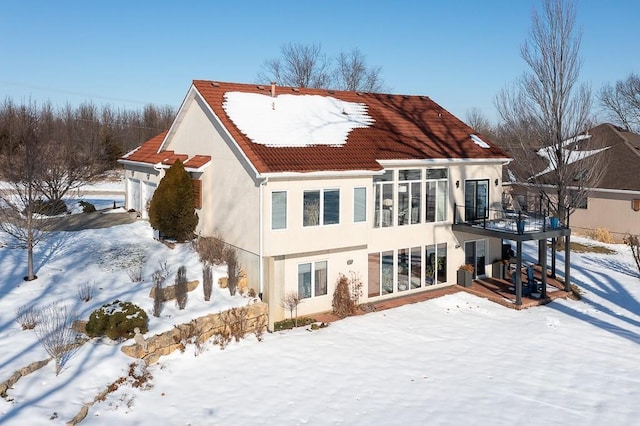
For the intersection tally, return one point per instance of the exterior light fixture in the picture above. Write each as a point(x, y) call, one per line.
point(457, 184)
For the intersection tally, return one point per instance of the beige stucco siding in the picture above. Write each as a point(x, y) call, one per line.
point(609, 210)
point(230, 190)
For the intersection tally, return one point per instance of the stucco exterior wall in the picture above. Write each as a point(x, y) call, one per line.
point(230, 191)
point(346, 246)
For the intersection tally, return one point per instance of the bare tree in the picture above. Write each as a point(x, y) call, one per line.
point(55, 333)
point(622, 102)
point(300, 66)
point(352, 73)
point(291, 301)
point(306, 66)
point(21, 169)
point(478, 121)
point(546, 111)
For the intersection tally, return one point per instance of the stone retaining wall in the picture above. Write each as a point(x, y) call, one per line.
point(200, 329)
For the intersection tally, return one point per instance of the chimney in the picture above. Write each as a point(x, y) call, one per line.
point(273, 95)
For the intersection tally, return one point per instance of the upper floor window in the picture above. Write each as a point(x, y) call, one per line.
point(383, 210)
point(321, 206)
point(409, 196)
point(476, 199)
point(278, 210)
point(359, 204)
point(437, 189)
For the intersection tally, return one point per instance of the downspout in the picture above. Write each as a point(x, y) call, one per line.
point(261, 237)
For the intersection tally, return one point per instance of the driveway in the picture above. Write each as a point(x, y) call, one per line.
point(95, 220)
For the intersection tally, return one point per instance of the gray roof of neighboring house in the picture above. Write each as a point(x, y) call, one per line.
point(622, 157)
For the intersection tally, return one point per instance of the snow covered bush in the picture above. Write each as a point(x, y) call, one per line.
point(117, 320)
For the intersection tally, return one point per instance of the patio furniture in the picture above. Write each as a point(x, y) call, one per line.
point(533, 285)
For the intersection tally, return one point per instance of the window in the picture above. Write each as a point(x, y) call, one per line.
point(323, 209)
point(579, 199)
point(409, 196)
point(476, 199)
point(437, 188)
point(436, 264)
point(312, 279)
point(197, 193)
point(360, 204)
point(278, 210)
point(383, 210)
point(374, 275)
point(409, 268)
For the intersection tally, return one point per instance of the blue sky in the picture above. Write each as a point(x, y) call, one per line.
point(130, 53)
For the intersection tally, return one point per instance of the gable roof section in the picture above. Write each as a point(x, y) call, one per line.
point(623, 157)
point(149, 153)
point(621, 149)
point(403, 128)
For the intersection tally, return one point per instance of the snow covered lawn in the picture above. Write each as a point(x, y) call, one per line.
point(458, 359)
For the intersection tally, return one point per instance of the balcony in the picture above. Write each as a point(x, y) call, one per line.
point(508, 224)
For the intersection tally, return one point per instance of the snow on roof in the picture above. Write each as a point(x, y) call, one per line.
point(569, 155)
point(295, 120)
point(476, 139)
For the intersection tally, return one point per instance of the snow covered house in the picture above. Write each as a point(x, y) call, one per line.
point(309, 184)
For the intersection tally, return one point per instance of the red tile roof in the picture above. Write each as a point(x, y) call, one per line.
point(148, 153)
point(405, 128)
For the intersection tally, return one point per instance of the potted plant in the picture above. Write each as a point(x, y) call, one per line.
point(465, 275)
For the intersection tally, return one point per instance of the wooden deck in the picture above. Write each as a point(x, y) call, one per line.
point(493, 289)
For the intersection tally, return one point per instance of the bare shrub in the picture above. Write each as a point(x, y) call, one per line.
point(633, 241)
point(55, 334)
point(602, 235)
point(27, 317)
point(251, 293)
point(181, 287)
point(85, 292)
point(347, 295)
point(233, 270)
point(135, 273)
point(158, 294)
point(260, 327)
point(210, 250)
point(187, 334)
point(164, 270)
point(235, 322)
point(207, 281)
point(290, 301)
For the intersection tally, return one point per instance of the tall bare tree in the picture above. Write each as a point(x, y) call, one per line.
point(306, 66)
point(21, 170)
point(299, 66)
point(622, 102)
point(546, 111)
point(352, 73)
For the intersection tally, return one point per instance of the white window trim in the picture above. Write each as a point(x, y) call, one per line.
point(321, 207)
point(286, 208)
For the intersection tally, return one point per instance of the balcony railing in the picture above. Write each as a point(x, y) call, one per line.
point(506, 220)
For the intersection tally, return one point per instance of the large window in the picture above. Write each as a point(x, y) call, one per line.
point(383, 186)
point(409, 268)
point(436, 264)
point(321, 207)
point(360, 204)
point(278, 210)
point(476, 199)
point(436, 195)
point(409, 190)
point(312, 279)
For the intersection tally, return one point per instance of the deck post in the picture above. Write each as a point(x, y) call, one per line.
point(543, 262)
point(554, 249)
point(567, 263)
point(518, 274)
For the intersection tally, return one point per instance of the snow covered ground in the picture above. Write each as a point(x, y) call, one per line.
point(458, 359)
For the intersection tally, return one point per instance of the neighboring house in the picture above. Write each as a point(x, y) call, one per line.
point(614, 204)
point(309, 184)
